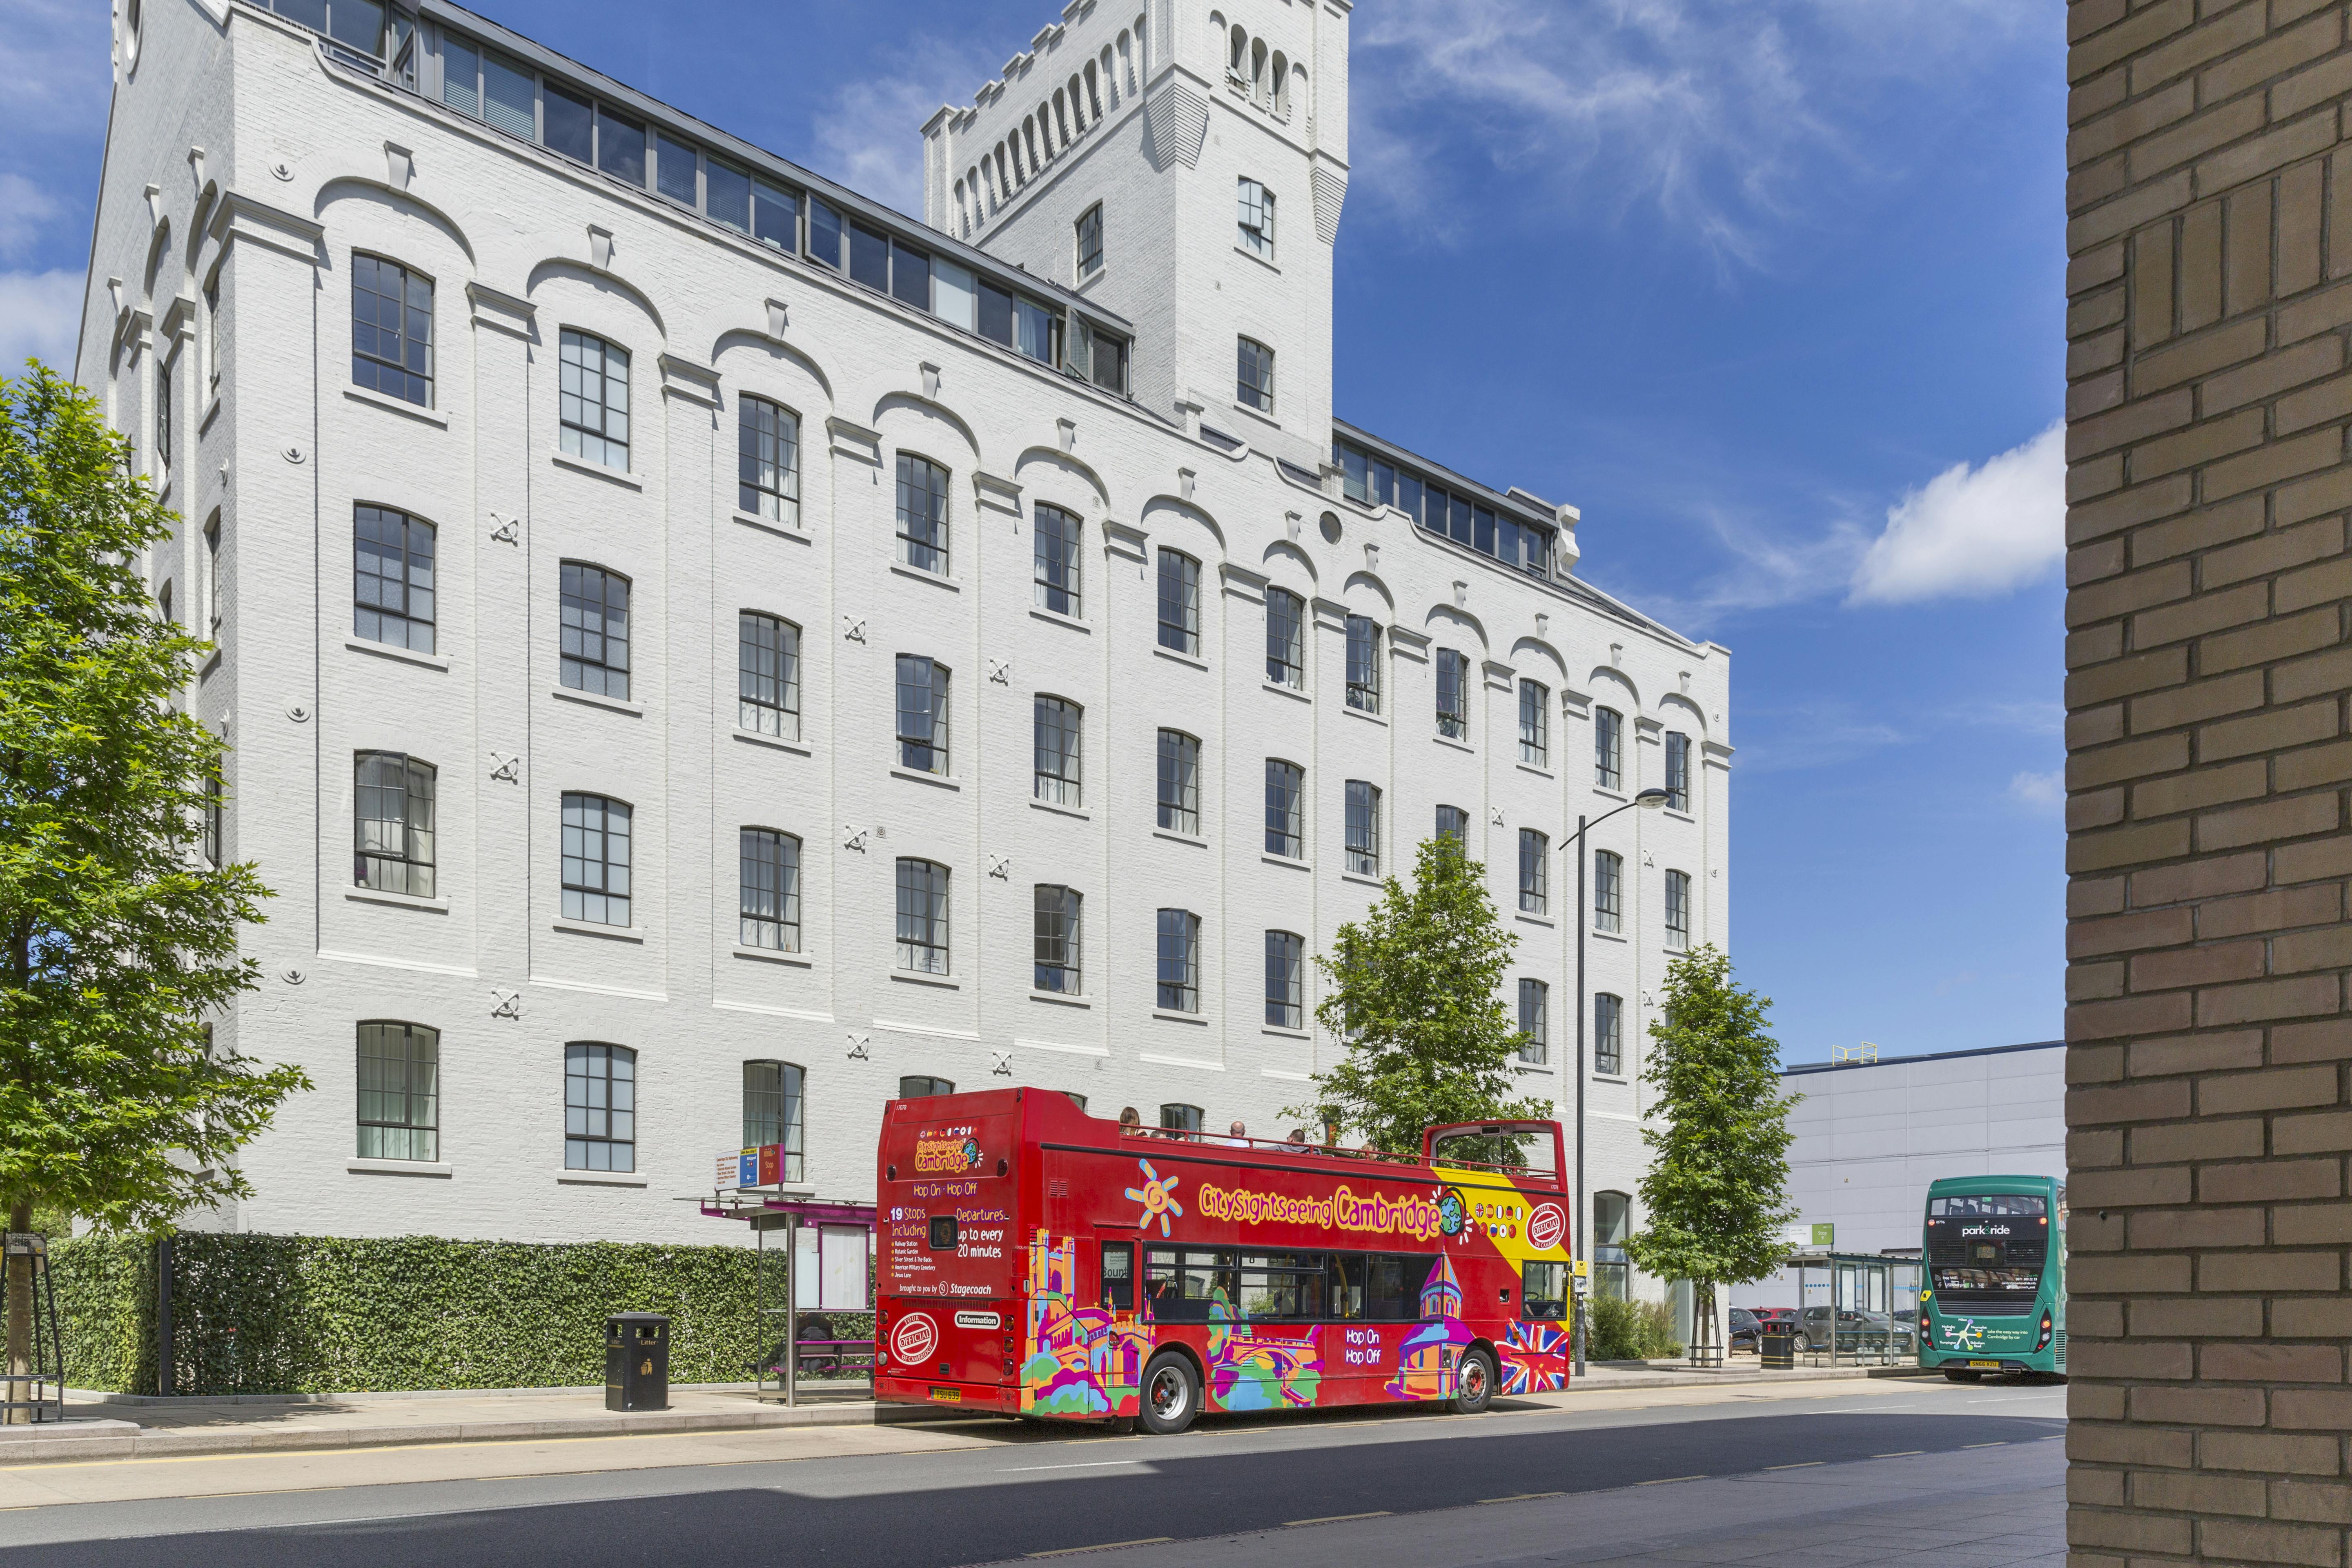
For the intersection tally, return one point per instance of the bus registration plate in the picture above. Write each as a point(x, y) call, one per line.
point(955, 1395)
point(1994, 1364)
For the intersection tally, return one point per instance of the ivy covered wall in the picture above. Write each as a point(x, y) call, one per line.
point(295, 1314)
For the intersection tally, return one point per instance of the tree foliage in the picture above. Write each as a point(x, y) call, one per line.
point(1416, 992)
point(117, 936)
point(1716, 1193)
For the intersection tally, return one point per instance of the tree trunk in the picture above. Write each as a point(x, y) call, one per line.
point(20, 1318)
point(1706, 1344)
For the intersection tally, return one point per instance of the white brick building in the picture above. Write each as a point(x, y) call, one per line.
point(497, 567)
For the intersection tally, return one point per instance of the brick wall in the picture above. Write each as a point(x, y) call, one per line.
point(2210, 241)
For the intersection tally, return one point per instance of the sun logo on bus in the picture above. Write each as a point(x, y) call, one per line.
point(1155, 1197)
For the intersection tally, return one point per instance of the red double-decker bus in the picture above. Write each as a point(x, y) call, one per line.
point(1038, 1261)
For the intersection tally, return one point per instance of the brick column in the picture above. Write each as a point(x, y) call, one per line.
point(2210, 238)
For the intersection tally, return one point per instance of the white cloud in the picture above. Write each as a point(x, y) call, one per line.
point(1971, 533)
point(869, 136)
point(40, 313)
point(2041, 791)
point(1717, 115)
point(25, 208)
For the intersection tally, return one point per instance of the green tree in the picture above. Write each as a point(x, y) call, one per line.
point(1716, 1193)
point(1416, 992)
point(117, 934)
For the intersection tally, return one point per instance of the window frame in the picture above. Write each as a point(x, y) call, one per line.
point(413, 562)
point(1253, 216)
point(1608, 1034)
point(1535, 872)
point(1254, 374)
point(1608, 749)
point(576, 436)
point(1364, 664)
point(1677, 771)
point(1679, 910)
point(600, 1061)
point(1179, 990)
point(410, 869)
point(1062, 783)
point(791, 1118)
point(412, 382)
point(576, 665)
point(924, 541)
point(1608, 892)
point(772, 693)
point(1057, 535)
point(1186, 582)
point(1361, 829)
point(933, 734)
point(1285, 809)
point(1286, 639)
point(1286, 969)
point(1534, 1049)
point(579, 895)
point(1088, 240)
point(1459, 832)
point(1057, 959)
point(767, 460)
point(1454, 673)
point(926, 934)
point(1177, 802)
point(420, 1045)
point(768, 888)
point(1534, 723)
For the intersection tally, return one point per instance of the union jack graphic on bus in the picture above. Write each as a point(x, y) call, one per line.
point(1534, 1359)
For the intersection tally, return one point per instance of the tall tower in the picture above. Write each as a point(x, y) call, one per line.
point(1184, 164)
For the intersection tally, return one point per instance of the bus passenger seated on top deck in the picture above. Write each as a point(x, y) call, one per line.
point(1239, 1138)
point(1130, 1122)
point(1296, 1143)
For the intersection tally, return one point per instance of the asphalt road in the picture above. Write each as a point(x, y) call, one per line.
point(1391, 1474)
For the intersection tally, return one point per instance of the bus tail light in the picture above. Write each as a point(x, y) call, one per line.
point(2043, 1344)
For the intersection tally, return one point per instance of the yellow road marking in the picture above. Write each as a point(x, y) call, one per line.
point(1668, 1480)
point(1105, 1546)
point(2003, 1445)
point(1806, 1465)
point(1899, 1454)
point(1522, 1497)
point(265, 1491)
point(1338, 1518)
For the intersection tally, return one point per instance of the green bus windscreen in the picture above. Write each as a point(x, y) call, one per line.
point(1986, 1251)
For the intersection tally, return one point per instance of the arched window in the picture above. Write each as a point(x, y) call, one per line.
point(1534, 723)
point(1058, 967)
point(1535, 872)
point(1238, 52)
point(1181, 1119)
point(923, 685)
point(770, 892)
point(1060, 726)
point(772, 1111)
point(600, 1108)
point(596, 859)
point(1285, 809)
point(1094, 91)
point(391, 824)
point(923, 917)
point(922, 514)
point(1285, 979)
point(1257, 73)
point(593, 405)
point(1608, 748)
point(1535, 1022)
point(1285, 639)
point(1608, 1034)
point(392, 578)
point(1677, 770)
point(1363, 804)
point(1059, 565)
point(1453, 694)
point(767, 675)
point(400, 1091)
point(1363, 664)
point(1608, 891)
point(1180, 960)
point(768, 459)
point(1180, 602)
point(594, 648)
point(1180, 782)
point(1281, 86)
point(1679, 910)
point(922, 1086)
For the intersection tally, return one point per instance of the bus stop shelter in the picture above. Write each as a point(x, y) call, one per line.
point(1855, 1309)
point(795, 1236)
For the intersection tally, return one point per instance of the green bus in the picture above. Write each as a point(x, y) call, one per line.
point(1994, 1296)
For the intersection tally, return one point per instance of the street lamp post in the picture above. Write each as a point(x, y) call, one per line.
point(1648, 800)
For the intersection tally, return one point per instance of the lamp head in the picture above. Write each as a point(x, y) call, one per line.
point(1652, 799)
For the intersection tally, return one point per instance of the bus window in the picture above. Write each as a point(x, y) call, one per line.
point(1347, 1286)
point(1543, 1293)
point(943, 1233)
point(1182, 1281)
point(1119, 1276)
point(1281, 1284)
point(1392, 1287)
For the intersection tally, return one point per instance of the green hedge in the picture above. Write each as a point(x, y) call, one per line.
point(297, 1314)
point(1632, 1331)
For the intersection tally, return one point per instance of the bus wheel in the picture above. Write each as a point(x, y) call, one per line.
point(1962, 1374)
point(1172, 1394)
point(1474, 1383)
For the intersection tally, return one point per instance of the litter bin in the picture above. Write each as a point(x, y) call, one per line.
point(637, 1361)
point(1777, 1348)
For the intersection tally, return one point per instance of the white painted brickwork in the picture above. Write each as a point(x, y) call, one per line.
point(303, 164)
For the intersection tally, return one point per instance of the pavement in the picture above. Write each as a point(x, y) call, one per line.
point(104, 1427)
point(1879, 1471)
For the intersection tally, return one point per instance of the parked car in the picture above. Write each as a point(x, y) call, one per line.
point(1744, 1333)
point(1859, 1330)
point(1766, 1317)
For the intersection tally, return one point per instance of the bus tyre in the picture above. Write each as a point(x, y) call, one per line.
point(1473, 1382)
point(1963, 1374)
point(1172, 1394)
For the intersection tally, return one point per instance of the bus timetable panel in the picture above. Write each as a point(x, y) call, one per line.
point(1038, 1261)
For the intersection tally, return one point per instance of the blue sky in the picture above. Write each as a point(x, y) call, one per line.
point(1771, 288)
